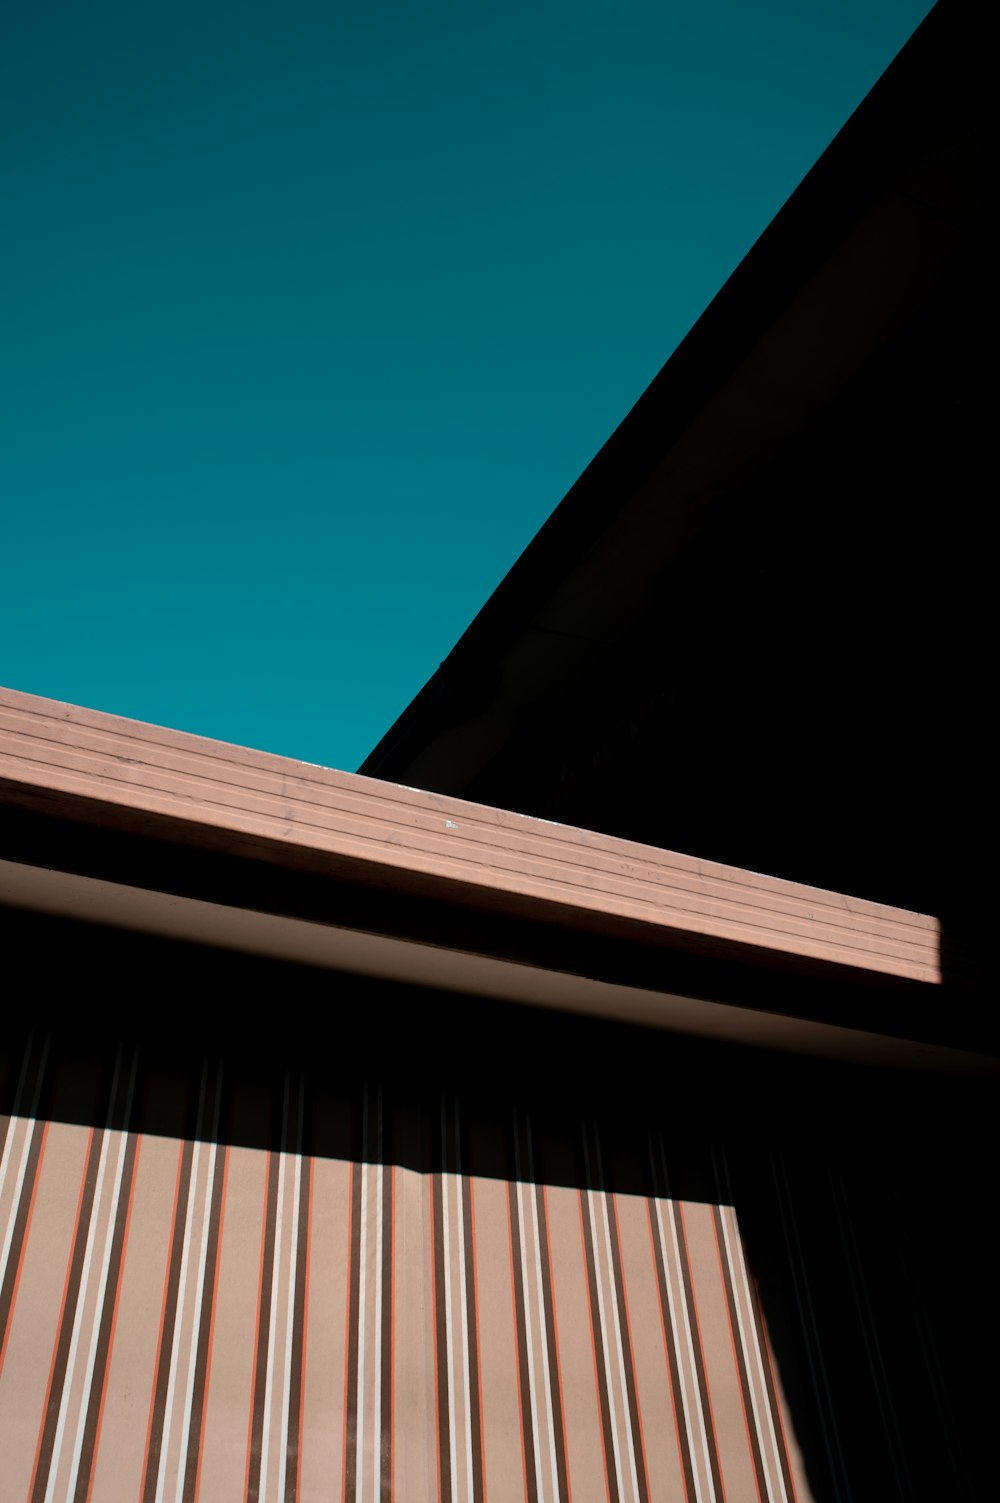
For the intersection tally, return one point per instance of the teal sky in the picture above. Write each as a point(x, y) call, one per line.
point(312, 313)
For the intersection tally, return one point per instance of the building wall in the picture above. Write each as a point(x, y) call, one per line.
point(187, 1318)
point(273, 1234)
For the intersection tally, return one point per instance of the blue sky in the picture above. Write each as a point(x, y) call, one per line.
point(311, 314)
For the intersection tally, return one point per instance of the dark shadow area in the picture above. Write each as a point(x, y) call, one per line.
point(156, 853)
point(865, 1196)
point(806, 695)
point(779, 660)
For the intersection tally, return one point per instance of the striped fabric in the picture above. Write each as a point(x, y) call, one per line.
point(185, 1319)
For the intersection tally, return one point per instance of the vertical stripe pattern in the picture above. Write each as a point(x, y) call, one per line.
point(544, 1436)
point(175, 1331)
point(456, 1322)
point(368, 1410)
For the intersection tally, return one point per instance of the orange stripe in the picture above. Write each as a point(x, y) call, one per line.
point(347, 1316)
point(434, 1326)
point(392, 1344)
point(479, 1343)
point(305, 1330)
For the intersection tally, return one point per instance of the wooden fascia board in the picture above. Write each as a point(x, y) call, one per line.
point(59, 758)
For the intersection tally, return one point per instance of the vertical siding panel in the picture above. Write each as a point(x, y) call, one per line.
point(29, 1139)
point(273, 1474)
point(415, 1413)
point(175, 1432)
point(765, 1426)
point(117, 1473)
point(634, 1369)
point(326, 1338)
point(585, 1458)
point(655, 1396)
point(35, 1317)
point(227, 1404)
point(735, 1456)
point(503, 1465)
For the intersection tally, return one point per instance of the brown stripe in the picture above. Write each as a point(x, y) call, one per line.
point(71, 1295)
point(555, 1380)
point(385, 1440)
point(22, 1222)
point(740, 1355)
point(168, 1317)
point(669, 1342)
point(626, 1336)
point(599, 1364)
point(441, 1339)
point(699, 1356)
point(472, 1323)
point(772, 1396)
point(204, 1333)
point(353, 1337)
point(263, 1330)
point(105, 1333)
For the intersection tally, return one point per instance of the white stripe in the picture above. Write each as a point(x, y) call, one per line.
point(619, 1347)
point(545, 1348)
point(289, 1333)
point(690, 1349)
point(530, 1343)
point(605, 1343)
point(272, 1326)
point(688, 1424)
point(178, 1321)
point(18, 1186)
point(195, 1328)
point(96, 1326)
point(362, 1255)
point(463, 1295)
point(286, 1392)
point(449, 1336)
point(377, 1427)
point(757, 1354)
point(13, 1123)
